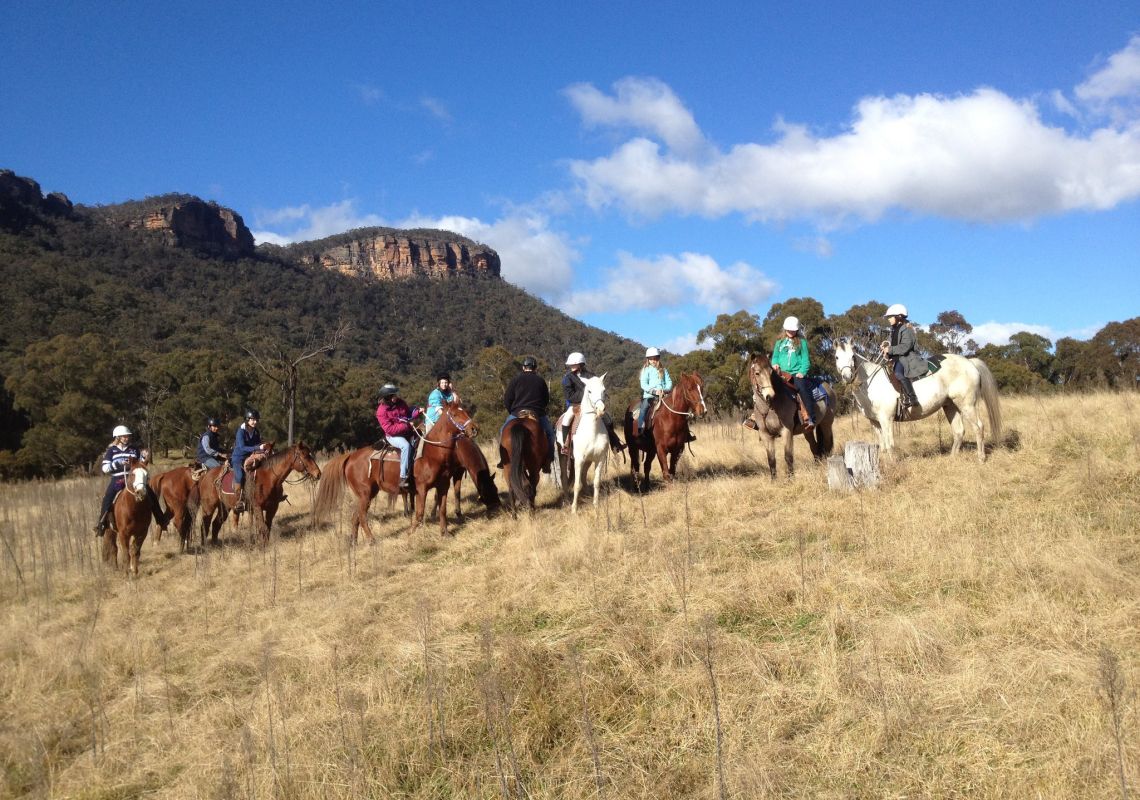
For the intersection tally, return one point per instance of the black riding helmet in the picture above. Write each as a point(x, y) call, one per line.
point(389, 390)
point(443, 376)
point(530, 362)
point(251, 413)
point(213, 422)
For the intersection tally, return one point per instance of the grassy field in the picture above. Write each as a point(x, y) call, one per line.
point(966, 631)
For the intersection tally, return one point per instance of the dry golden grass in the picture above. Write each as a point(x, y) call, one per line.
point(964, 632)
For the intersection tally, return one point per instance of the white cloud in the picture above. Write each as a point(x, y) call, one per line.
point(1118, 80)
point(671, 281)
point(999, 332)
point(982, 156)
point(644, 104)
point(533, 256)
point(369, 95)
point(305, 223)
point(436, 108)
point(819, 245)
point(686, 343)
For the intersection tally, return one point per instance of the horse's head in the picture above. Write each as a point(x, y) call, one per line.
point(136, 478)
point(760, 376)
point(594, 394)
point(693, 390)
point(461, 419)
point(845, 359)
point(304, 456)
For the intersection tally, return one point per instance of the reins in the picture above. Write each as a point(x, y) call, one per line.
point(665, 402)
point(460, 430)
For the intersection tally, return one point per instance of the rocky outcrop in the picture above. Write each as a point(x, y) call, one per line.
point(391, 255)
point(182, 221)
point(22, 201)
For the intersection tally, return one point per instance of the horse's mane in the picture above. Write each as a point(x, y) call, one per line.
point(277, 455)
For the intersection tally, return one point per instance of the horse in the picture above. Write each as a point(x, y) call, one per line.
point(474, 463)
point(955, 388)
point(666, 427)
point(366, 477)
point(590, 441)
point(131, 515)
point(523, 451)
point(775, 413)
point(437, 464)
point(262, 489)
point(179, 492)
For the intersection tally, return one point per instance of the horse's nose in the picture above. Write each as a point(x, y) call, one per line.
point(474, 430)
point(767, 393)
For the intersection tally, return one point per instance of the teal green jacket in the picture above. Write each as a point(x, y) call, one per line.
point(791, 355)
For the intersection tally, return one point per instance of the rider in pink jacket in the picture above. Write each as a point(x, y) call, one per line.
point(395, 417)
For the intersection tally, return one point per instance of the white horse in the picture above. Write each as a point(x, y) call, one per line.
point(955, 388)
point(590, 441)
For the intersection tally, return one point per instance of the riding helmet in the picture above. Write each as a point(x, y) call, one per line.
point(652, 352)
point(213, 422)
point(792, 324)
point(897, 310)
point(575, 358)
point(121, 430)
point(389, 390)
point(251, 413)
point(443, 376)
point(530, 362)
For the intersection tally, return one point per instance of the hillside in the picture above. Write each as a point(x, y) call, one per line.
point(174, 283)
point(960, 633)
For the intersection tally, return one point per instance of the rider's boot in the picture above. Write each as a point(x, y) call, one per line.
point(101, 525)
point(908, 397)
point(239, 501)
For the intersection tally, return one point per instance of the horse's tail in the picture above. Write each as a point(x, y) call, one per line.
point(331, 488)
point(989, 389)
point(517, 480)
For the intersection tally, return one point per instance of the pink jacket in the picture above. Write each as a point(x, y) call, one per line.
point(391, 418)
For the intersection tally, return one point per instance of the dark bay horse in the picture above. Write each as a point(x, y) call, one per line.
point(366, 477)
point(474, 463)
point(131, 515)
point(523, 451)
point(666, 427)
point(439, 464)
point(263, 491)
point(775, 413)
point(179, 493)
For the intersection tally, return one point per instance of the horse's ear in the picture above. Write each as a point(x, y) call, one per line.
point(602, 377)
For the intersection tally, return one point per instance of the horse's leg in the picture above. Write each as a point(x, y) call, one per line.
point(598, 465)
point(972, 420)
point(789, 450)
point(769, 451)
point(456, 489)
point(360, 517)
point(421, 504)
point(579, 472)
point(957, 428)
point(441, 505)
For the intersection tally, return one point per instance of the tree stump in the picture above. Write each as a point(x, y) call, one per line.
point(857, 468)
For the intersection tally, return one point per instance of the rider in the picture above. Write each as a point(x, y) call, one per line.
point(903, 352)
point(210, 452)
point(443, 393)
point(115, 461)
point(527, 391)
point(655, 382)
point(573, 388)
point(247, 441)
point(790, 355)
point(395, 418)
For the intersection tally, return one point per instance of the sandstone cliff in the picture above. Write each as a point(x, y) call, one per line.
point(391, 254)
point(186, 221)
point(23, 202)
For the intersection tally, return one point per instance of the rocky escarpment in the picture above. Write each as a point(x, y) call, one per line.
point(186, 221)
point(23, 202)
point(391, 254)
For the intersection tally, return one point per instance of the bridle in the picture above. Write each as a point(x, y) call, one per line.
point(461, 429)
point(592, 408)
point(686, 398)
point(297, 456)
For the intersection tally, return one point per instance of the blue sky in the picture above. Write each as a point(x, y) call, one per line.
point(643, 166)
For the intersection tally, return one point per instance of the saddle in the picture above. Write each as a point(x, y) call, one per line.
point(382, 452)
point(197, 471)
point(250, 465)
point(526, 413)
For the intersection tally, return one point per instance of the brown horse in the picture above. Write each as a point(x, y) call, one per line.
point(262, 491)
point(179, 493)
point(523, 452)
point(666, 427)
point(474, 463)
point(775, 415)
point(130, 517)
point(366, 477)
point(439, 462)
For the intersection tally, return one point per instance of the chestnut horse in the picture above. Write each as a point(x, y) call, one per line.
point(130, 517)
point(523, 451)
point(666, 427)
point(179, 493)
point(263, 492)
point(366, 477)
point(474, 463)
point(775, 412)
point(439, 462)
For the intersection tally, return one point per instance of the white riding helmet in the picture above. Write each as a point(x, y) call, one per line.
point(897, 310)
point(651, 352)
point(792, 324)
point(121, 430)
point(575, 358)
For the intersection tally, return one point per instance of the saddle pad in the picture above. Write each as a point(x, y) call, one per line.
point(227, 482)
point(933, 364)
point(387, 454)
